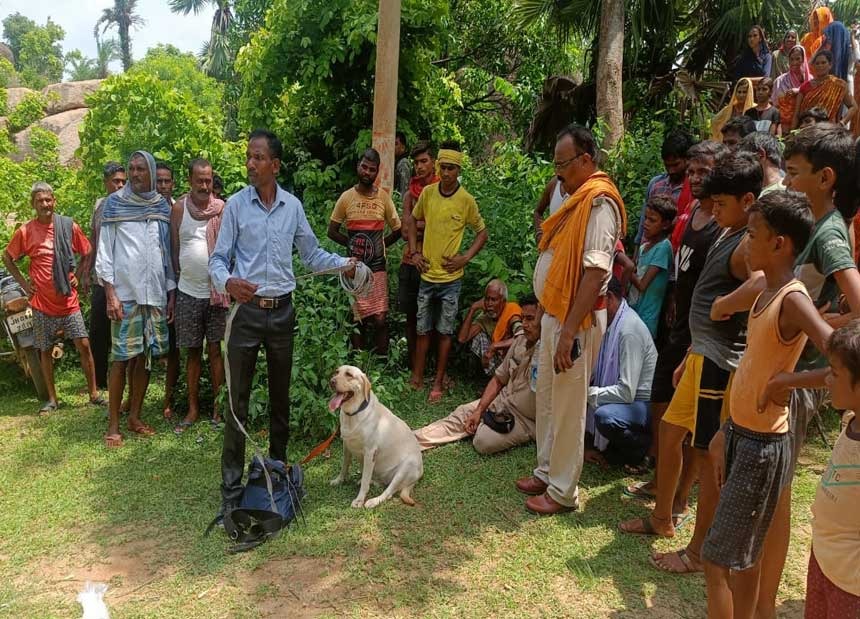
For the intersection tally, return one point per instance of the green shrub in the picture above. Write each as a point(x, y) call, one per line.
point(139, 111)
point(30, 109)
point(3, 98)
point(8, 75)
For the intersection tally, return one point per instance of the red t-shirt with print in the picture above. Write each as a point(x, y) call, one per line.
point(36, 240)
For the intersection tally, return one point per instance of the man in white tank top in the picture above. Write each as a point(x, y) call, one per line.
point(201, 313)
point(553, 197)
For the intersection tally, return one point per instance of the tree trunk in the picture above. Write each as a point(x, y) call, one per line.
point(385, 88)
point(610, 61)
point(125, 46)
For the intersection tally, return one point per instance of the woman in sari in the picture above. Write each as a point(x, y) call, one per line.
point(824, 90)
point(818, 21)
point(780, 56)
point(788, 84)
point(742, 100)
point(755, 60)
point(837, 40)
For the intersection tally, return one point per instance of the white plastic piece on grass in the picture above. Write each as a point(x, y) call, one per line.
point(92, 600)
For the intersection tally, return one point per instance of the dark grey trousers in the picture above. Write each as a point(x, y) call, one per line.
point(248, 328)
point(100, 339)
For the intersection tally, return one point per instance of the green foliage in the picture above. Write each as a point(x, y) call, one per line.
point(466, 71)
point(3, 100)
point(182, 72)
point(80, 68)
point(506, 188)
point(17, 178)
point(136, 110)
point(40, 60)
point(635, 160)
point(15, 26)
point(8, 75)
point(30, 109)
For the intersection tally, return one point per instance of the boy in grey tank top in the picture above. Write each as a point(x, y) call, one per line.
point(703, 379)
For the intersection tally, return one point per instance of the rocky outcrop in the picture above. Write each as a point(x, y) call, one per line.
point(66, 109)
point(6, 52)
point(64, 125)
point(68, 95)
point(14, 96)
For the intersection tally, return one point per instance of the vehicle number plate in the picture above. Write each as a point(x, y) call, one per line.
point(19, 322)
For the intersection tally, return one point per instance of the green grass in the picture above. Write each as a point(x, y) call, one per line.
point(70, 510)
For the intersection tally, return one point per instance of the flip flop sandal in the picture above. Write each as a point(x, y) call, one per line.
point(647, 528)
point(98, 401)
point(642, 468)
point(216, 424)
point(48, 408)
point(112, 441)
point(679, 520)
point(689, 568)
point(638, 491)
point(180, 429)
point(142, 430)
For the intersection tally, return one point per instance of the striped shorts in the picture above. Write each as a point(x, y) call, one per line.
point(142, 330)
point(376, 302)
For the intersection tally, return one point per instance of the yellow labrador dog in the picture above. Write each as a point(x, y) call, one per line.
point(389, 450)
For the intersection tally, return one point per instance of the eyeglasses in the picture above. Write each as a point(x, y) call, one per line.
point(560, 165)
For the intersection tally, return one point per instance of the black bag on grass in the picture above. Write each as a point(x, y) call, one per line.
point(269, 503)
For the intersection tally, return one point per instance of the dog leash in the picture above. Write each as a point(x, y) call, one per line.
point(319, 449)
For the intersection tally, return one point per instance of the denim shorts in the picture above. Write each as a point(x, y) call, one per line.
point(437, 307)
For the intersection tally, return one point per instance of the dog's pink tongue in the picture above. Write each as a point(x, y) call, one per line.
point(335, 402)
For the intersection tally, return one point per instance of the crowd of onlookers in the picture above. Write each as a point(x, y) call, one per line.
point(701, 351)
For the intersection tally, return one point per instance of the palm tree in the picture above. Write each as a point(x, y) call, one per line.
point(122, 16)
point(216, 53)
point(79, 67)
point(106, 52)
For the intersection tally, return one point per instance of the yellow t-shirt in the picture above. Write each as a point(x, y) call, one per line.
point(836, 518)
point(445, 222)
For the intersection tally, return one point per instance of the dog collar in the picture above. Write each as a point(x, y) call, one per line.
point(364, 405)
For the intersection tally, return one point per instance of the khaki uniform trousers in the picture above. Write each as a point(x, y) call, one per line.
point(561, 409)
point(486, 441)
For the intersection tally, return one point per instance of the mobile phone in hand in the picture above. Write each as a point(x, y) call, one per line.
point(575, 352)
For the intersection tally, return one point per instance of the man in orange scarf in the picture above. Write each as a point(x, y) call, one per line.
point(492, 332)
point(570, 279)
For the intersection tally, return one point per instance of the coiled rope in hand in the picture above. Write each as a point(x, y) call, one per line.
point(359, 285)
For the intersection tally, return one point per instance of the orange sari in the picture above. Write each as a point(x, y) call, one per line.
point(813, 39)
point(827, 94)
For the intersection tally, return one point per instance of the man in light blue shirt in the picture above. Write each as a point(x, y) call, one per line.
point(253, 262)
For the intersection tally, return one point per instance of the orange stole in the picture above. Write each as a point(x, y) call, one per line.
point(564, 233)
point(511, 310)
point(828, 95)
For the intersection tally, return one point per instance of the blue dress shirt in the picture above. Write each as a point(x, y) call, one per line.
point(258, 243)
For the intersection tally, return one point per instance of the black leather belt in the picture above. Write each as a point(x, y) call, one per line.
point(272, 302)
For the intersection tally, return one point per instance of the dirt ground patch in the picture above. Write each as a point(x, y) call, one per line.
point(305, 587)
point(127, 566)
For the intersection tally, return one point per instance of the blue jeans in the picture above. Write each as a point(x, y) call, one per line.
point(437, 307)
point(627, 427)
